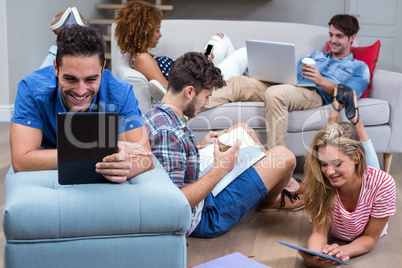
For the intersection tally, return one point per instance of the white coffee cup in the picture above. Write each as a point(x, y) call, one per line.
point(308, 61)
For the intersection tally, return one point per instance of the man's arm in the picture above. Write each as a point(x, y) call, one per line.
point(312, 73)
point(360, 80)
point(25, 153)
point(176, 158)
point(133, 157)
point(223, 164)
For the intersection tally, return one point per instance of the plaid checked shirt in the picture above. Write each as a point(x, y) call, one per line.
point(173, 144)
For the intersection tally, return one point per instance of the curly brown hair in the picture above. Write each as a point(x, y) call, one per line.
point(135, 25)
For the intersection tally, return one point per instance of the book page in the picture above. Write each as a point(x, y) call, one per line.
point(249, 154)
point(231, 137)
point(234, 260)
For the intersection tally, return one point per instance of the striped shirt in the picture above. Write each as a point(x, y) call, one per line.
point(377, 199)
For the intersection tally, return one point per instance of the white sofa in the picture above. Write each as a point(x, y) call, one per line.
point(381, 112)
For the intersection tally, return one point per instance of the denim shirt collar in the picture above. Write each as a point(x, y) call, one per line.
point(348, 57)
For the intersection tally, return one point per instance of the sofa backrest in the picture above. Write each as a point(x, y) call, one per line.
point(180, 36)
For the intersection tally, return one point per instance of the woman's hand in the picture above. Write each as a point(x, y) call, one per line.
point(316, 261)
point(210, 56)
point(333, 250)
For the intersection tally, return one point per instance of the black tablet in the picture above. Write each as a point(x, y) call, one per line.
point(83, 139)
point(322, 255)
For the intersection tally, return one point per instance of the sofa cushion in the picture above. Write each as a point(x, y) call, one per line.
point(373, 112)
point(228, 114)
point(369, 55)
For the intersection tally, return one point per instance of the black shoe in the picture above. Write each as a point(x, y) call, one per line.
point(345, 97)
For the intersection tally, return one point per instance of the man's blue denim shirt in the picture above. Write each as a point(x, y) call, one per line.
point(38, 102)
point(348, 71)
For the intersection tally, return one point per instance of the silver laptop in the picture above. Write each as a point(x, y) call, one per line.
point(273, 62)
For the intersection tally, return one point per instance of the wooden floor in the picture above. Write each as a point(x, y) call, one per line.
point(257, 233)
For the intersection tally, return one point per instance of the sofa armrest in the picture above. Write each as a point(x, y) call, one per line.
point(140, 85)
point(387, 85)
point(121, 68)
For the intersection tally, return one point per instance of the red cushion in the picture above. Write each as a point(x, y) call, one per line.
point(367, 54)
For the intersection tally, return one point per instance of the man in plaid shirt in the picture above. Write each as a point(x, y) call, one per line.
point(192, 80)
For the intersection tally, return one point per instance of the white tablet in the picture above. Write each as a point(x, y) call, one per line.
point(322, 255)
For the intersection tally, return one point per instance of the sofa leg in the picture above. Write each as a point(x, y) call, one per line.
point(387, 162)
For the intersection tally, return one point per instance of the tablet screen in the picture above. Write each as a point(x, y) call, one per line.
point(322, 255)
point(84, 139)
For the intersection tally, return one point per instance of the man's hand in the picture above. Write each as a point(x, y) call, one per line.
point(119, 167)
point(211, 137)
point(225, 161)
point(223, 164)
point(312, 73)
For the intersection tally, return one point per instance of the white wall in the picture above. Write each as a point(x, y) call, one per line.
point(25, 26)
point(317, 12)
point(6, 106)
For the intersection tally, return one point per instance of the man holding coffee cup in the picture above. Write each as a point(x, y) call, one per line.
point(324, 69)
point(307, 61)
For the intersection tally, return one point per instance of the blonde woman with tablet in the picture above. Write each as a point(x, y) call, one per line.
point(346, 199)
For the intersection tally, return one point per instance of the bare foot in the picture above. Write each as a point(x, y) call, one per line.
point(220, 35)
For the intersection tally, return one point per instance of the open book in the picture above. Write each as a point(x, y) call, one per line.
point(249, 154)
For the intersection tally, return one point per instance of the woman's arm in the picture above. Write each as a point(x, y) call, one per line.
point(359, 246)
point(148, 66)
point(317, 242)
point(368, 239)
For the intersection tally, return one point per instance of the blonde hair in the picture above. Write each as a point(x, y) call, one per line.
point(320, 195)
point(135, 26)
